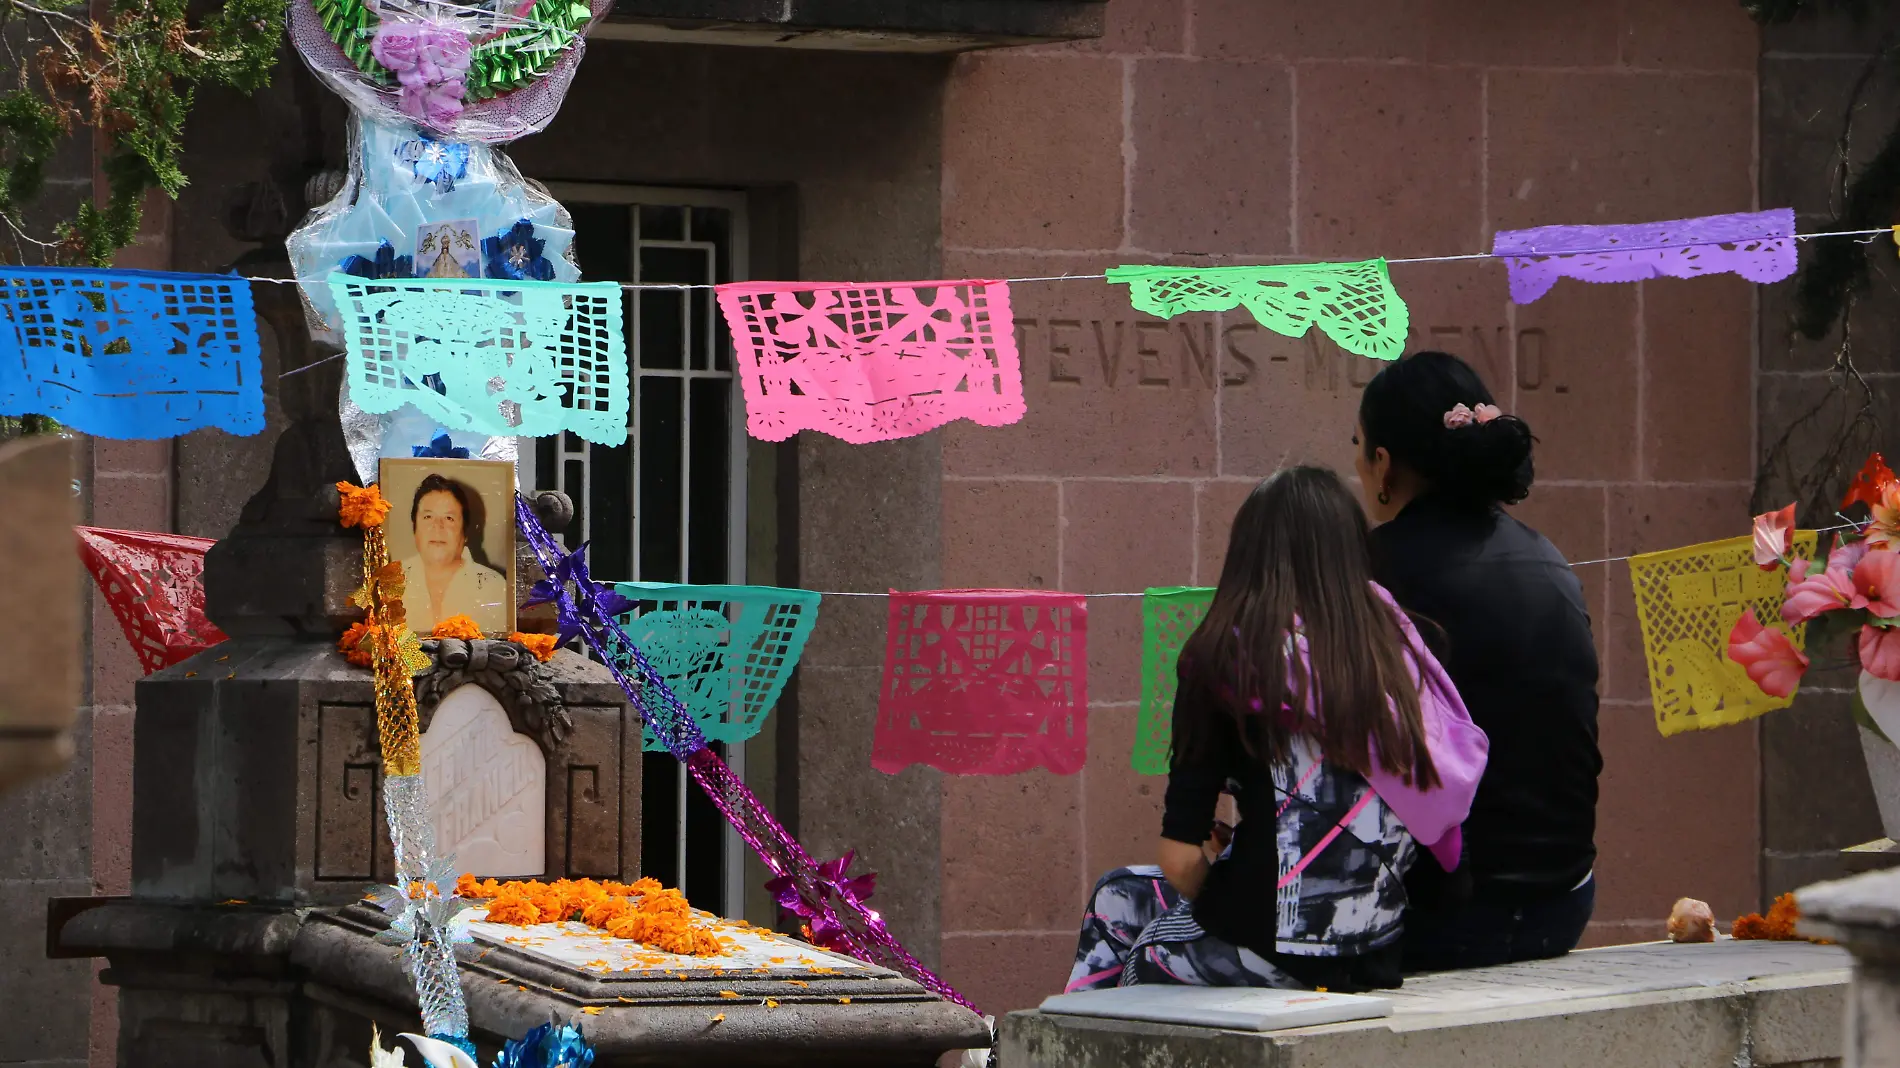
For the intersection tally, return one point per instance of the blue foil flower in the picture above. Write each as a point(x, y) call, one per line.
point(547, 1046)
point(437, 162)
point(440, 447)
point(386, 264)
point(516, 253)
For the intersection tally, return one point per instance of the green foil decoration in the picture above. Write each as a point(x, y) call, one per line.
point(352, 25)
point(1352, 303)
point(726, 651)
point(1169, 615)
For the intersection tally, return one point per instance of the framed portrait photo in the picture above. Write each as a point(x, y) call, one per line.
point(451, 526)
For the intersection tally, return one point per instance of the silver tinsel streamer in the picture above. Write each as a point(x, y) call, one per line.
point(422, 923)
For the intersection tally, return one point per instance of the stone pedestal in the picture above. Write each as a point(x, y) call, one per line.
point(252, 986)
point(258, 774)
point(1863, 914)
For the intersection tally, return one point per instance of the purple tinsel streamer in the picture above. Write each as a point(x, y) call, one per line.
point(1759, 246)
point(859, 928)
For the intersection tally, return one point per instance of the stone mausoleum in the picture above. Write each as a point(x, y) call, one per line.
point(713, 140)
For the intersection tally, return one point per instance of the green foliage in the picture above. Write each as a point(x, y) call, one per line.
point(29, 134)
point(133, 79)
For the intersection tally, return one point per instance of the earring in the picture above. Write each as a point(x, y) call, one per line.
point(1384, 497)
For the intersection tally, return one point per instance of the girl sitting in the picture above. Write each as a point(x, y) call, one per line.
point(1308, 695)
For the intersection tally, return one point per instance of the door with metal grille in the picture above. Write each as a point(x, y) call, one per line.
point(668, 505)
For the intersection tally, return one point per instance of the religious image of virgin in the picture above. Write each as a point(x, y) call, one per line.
point(450, 574)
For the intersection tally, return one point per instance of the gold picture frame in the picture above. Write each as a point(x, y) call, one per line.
point(438, 506)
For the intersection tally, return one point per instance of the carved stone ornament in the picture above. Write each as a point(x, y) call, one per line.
point(521, 683)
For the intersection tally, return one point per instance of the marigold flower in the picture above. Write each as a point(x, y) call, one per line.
point(1777, 926)
point(541, 645)
point(642, 911)
point(457, 627)
point(361, 506)
point(352, 644)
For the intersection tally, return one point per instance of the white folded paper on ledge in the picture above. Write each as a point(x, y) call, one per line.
point(1234, 1008)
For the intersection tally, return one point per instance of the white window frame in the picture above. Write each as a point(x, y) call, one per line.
point(734, 202)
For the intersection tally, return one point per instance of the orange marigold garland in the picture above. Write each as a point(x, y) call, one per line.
point(361, 506)
point(457, 627)
point(1778, 925)
point(541, 645)
point(393, 648)
point(354, 644)
point(641, 911)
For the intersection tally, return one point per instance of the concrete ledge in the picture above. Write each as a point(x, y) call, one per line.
point(1751, 1004)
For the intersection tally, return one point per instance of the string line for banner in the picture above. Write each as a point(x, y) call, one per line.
point(1850, 525)
point(1528, 254)
point(684, 286)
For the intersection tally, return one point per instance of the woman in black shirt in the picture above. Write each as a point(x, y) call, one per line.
point(1308, 694)
point(1436, 461)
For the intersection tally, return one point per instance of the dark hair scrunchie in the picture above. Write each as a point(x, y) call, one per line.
point(1433, 414)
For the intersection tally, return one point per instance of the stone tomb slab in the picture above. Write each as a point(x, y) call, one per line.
point(1657, 1005)
point(487, 787)
point(594, 966)
point(769, 1001)
point(1597, 973)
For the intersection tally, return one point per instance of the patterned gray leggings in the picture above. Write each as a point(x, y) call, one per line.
point(1139, 929)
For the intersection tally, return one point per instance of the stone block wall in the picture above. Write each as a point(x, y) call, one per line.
point(70, 835)
point(1829, 97)
point(1235, 131)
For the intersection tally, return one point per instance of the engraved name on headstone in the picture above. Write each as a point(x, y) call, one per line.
point(487, 787)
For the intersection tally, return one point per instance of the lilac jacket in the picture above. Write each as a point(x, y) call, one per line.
point(1459, 749)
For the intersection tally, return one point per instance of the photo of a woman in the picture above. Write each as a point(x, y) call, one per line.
point(447, 552)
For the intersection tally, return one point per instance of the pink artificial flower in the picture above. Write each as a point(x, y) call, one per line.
point(1484, 413)
point(1770, 659)
point(1459, 416)
point(1880, 652)
point(446, 50)
point(430, 62)
point(1877, 583)
point(1772, 533)
point(1883, 532)
point(441, 108)
point(1846, 555)
point(396, 44)
point(1812, 594)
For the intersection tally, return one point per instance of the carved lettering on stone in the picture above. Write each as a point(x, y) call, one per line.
point(487, 787)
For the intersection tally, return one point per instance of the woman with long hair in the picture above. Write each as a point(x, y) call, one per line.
point(1307, 695)
point(1437, 461)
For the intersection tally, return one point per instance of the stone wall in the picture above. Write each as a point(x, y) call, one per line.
point(69, 835)
point(1232, 131)
point(1814, 76)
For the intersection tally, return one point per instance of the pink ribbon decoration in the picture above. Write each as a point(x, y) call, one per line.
point(873, 362)
point(984, 682)
point(824, 929)
point(1461, 416)
point(430, 61)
